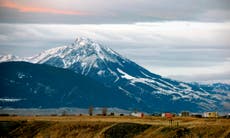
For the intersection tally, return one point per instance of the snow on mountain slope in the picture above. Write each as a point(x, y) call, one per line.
point(91, 59)
point(83, 50)
point(6, 58)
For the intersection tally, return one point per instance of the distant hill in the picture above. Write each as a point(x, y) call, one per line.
point(41, 86)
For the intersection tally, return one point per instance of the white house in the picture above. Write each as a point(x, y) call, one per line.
point(137, 114)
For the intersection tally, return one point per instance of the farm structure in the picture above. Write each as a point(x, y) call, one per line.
point(137, 114)
point(167, 115)
point(185, 114)
point(210, 114)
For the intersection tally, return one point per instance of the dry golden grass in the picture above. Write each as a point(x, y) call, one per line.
point(111, 126)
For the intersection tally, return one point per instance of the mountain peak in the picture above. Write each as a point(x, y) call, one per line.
point(84, 52)
point(88, 44)
point(91, 47)
point(102, 64)
point(82, 41)
point(81, 38)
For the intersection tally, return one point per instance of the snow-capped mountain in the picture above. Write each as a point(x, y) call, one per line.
point(91, 59)
point(6, 58)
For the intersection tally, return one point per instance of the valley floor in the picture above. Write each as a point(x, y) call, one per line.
point(112, 127)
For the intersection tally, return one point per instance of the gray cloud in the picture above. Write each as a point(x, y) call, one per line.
point(188, 51)
point(120, 11)
point(183, 39)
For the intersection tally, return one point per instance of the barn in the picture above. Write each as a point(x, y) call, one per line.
point(167, 115)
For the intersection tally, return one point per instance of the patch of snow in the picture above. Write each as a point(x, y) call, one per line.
point(10, 100)
point(9, 57)
point(168, 83)
point(21, 75)
point(125, 91)
point(146, 75)
point(125, 75)
point(185, 86)
point(100, 72)
point(175, 98)
point(114, 74)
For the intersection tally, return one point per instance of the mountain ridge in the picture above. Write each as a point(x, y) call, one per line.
point(104, 65)
point(28, 85)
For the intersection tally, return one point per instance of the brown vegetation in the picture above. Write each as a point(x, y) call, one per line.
point(112, 126)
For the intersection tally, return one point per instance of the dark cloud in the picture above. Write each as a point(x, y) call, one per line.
point(116, 11)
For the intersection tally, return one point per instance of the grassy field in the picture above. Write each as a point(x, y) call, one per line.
point(112, 127)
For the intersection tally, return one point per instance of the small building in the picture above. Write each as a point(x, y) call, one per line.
point(137, 114)
point(210, 114)
point(167, 115)
point(185, 114)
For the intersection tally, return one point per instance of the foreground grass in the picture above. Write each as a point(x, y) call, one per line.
point(112, 127)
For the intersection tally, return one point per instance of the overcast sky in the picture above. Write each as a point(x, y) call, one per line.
point(181, 39)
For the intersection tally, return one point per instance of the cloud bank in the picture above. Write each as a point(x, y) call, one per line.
point(113, 11)
point(188, 51)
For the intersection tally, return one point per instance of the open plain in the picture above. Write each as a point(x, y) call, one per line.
point(113, 127)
